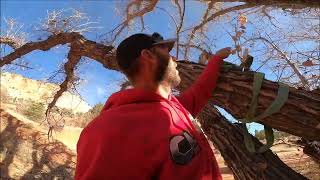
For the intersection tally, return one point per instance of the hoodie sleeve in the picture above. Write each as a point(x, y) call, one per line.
point(197, 96)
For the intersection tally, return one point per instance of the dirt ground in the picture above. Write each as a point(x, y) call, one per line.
point(291, 155)
point(26, 152)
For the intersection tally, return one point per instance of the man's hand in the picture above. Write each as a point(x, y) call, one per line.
point(224, 53)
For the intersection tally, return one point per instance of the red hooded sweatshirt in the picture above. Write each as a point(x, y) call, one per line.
point(141, 135)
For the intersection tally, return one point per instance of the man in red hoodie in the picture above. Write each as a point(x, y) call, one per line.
point(146, 132)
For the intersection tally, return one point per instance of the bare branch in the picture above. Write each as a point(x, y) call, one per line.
point(287, 59)
point(301, 4)
point(69, 67)
point(132, 15)
point(264, 11)
point(208, 10)
point(99, 52)
point(90, 49)
point(64, 21)
point(79, 47)
point(198, 47)
point(42, 45)
point(10, 42)
point(22, 65)
point(217, 14)
point(178, 28)
point(13, 36)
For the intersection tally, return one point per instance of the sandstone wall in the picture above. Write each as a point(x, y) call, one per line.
point(19, 87)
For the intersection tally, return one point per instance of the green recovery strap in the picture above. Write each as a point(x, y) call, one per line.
point(257, 83)
point(269, 137)
point(282, 97)
point(248, 142)
point(276, 105)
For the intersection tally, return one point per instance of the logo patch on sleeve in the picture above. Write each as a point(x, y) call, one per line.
point(183, 148)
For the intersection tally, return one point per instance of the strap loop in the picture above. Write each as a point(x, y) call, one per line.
point(282, 97)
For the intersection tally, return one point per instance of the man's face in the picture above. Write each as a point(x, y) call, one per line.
point(166, 67)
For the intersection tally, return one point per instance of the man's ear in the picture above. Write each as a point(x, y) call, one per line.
point(148, 57)
point(146, 54)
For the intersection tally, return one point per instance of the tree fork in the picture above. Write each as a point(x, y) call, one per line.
point(299, 116)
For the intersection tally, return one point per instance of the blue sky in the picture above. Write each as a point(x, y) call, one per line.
point(100, 83)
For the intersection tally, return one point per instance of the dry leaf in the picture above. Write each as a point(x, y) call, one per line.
point(307, 63)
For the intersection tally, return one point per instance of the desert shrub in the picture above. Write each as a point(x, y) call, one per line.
point(259, 134)
point(80, 119)
point(277, 134)
point(95, 111)
point(35, 111)
point(65, 112)
point(280, 134)
point(85, 118)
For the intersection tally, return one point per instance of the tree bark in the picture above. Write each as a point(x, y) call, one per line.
point(228, 138)
point(299, 116)
point(280, 3)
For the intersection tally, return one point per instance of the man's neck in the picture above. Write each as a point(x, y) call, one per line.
point(164, 91)
point(161, 89)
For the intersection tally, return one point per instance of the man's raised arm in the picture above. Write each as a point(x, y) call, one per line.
point(197, 96)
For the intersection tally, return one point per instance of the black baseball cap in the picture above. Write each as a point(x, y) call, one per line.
point(130, 48)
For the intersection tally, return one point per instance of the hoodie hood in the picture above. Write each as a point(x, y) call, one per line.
point(130, 96)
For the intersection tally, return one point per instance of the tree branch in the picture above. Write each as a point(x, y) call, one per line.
point(129, 17)
point(69, 67)
point(207, 20)
point(301, 4)
point(80, 46)
point(178, 28)
point(9, 41)
point(295, 69)
point(91, 49)
point(45, 45)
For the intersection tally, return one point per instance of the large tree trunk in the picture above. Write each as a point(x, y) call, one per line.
point(298, 4)
point(299, 116)
point(228, 138)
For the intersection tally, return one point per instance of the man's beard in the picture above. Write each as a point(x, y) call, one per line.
point(166, 73)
